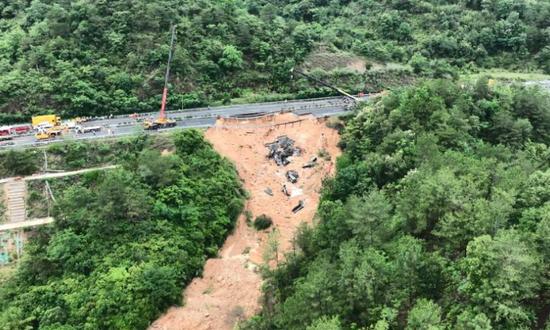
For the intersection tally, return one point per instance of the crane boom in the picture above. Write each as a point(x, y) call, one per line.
point(166, 76)
point(163, 121)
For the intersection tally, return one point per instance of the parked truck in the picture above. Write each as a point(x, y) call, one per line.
point(44, 134)
point(21, 129)
point(45, 121)
point(87, 129)
point(5, 133)
point(47, 127)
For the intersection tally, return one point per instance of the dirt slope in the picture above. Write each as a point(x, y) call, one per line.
point(230, 287)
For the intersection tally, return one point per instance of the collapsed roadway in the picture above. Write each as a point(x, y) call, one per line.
point(193, 118)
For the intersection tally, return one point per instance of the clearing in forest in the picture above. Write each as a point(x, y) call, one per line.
point(229, 289)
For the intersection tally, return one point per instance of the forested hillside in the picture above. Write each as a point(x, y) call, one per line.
point(438, 218)
point(125, 242)
point(79, 58)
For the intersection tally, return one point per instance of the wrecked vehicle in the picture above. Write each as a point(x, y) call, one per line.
point(312, 162)
point(281, 150)
point(298, 207)
point(292, 176)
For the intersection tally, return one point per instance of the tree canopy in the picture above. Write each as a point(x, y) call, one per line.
point(437, 218)
point(125, 242)
point(82, 58)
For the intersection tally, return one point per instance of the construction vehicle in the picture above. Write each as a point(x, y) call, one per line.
point(162, 121)
point(47, 127)
point(44, 121)
point(44, 134)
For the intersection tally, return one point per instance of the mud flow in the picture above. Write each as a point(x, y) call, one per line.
point(229, 290)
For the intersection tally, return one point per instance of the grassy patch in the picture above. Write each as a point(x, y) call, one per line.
point(6, 272)
point(208, 290)
point(328, 59)
point(248, 215)
point(2, 205)
point(74, 155)
point(238, 312)
point(508, 75)
point(36, 202)
point(323, 154)
point(389, 66)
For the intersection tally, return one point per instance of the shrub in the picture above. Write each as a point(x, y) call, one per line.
point(248, 216)
point(18, 162)
point(262, 222)
point(324, 154)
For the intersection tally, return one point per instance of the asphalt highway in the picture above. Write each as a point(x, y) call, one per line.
point(113, 126)
point(203, 117)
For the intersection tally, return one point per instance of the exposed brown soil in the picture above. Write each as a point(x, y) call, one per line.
point(229, 289)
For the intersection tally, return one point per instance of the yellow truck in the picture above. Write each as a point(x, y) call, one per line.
point(45, 121)
point(48, 133)
point(47, 127)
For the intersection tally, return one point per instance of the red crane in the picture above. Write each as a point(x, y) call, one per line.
point(162, 121)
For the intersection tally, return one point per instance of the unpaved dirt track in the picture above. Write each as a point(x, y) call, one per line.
point(229, 290)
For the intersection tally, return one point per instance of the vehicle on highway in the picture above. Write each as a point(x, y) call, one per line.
point(44, 134)
point(87, 129)
point(163, 121)
point(45, 120)
point(5, 131)
point(20, 129)
point(15, 130)
point(159, 123)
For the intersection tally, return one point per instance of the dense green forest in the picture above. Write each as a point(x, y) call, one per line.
point(80, 58)
point(126, 241)
point(438, 218)
point(75, 155)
